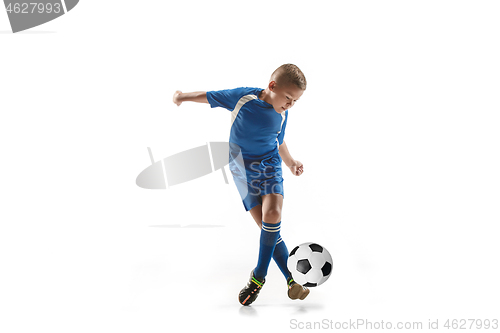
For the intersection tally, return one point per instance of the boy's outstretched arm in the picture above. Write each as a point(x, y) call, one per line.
point(296, 167)
point(198, 96)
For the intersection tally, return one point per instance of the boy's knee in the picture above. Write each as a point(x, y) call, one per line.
point(272, 215)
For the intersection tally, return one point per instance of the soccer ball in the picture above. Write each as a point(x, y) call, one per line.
point(310, 264)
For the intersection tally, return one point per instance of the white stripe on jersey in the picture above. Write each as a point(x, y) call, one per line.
point(238, 106)
point(283, 117)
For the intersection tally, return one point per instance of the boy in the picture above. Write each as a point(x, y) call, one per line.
point(257, 147)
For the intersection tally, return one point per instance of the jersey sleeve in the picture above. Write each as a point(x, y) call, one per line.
point(281, 136)
point(226, 99)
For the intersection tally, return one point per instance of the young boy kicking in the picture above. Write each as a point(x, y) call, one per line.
point(257, 147)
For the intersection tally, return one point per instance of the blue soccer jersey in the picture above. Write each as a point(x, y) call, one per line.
point(255, 126)
point(257, 131)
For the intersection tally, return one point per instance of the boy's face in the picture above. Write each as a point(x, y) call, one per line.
point(284, 97)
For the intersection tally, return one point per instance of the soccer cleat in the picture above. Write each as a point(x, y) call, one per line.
point(296, 291)
point(251, 291)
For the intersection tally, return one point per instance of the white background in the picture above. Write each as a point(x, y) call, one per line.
point(398, 133)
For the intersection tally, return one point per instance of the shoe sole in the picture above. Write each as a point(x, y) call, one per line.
point(297, 292)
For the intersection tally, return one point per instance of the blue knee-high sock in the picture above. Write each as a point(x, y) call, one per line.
point(280, 256)
point(268, 236)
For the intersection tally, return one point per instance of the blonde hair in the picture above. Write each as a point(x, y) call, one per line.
point(289, 74)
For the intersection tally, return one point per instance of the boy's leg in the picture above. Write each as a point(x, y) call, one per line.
point(271, 210)
point(271, 215)
point(280, 254)
point(271, 207)
point(271, 223)
point(256, 213)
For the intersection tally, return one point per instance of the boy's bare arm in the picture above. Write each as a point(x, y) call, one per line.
point(296, 167)
point(197, 96)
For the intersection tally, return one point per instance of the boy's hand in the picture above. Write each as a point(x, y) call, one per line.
point(176, 98)
point(297, 168)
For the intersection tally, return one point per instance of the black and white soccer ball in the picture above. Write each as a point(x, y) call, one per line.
point(310, 264)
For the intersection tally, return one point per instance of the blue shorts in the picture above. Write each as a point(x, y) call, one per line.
point(256, 178)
